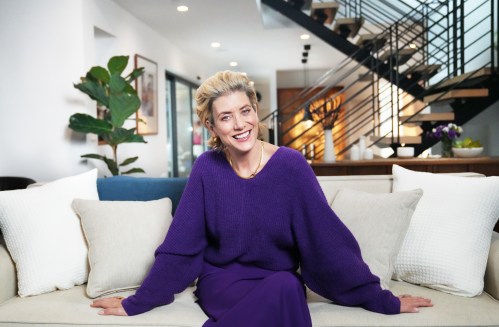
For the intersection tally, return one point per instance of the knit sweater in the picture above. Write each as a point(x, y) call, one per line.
point(279, 220)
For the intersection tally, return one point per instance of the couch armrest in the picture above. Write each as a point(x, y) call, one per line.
point(8, 279)
point(492, 271)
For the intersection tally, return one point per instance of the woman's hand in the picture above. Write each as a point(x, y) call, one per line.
point(409, 303)
point(110, 305)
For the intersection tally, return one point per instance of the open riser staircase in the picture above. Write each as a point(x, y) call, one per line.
point(407, 70)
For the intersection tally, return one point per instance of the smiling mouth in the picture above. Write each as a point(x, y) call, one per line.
point(242, 136)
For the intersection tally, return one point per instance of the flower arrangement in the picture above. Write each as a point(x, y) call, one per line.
point(450, 131)
point(447, 134)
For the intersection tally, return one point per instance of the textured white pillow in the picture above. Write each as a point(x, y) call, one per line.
point(379, 222)
point(122, 237)
point(43, 233)
point(447, 244)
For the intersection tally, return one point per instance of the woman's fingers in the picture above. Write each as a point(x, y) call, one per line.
point(110, 306)
point(113, 312)
point(410, 303)
point(107, 302)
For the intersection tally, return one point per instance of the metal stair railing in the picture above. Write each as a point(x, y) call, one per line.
point(293, 113)
point(362, 103)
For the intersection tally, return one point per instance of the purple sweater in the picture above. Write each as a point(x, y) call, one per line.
point(279, 220)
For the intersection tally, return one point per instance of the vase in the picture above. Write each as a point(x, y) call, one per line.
point(329, 155)
point(447, 148)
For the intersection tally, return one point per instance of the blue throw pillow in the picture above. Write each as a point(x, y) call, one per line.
point(128, 188)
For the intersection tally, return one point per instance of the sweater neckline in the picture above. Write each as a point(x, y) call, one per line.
point(261, 172)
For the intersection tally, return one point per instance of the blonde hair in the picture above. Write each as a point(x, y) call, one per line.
point(221, 84)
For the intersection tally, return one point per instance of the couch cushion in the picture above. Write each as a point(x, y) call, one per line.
point(448, 241)
point(43, 233)
point(122, 237)
point(379, 222)
point(72, 307)
point(448, 310)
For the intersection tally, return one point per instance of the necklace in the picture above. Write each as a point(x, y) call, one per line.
point(256, 170)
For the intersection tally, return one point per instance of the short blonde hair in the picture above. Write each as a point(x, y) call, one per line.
point(221, 84)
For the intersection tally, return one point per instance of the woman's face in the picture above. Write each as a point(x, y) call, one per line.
point(235, 122)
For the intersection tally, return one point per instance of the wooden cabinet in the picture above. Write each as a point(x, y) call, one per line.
point(484, 165)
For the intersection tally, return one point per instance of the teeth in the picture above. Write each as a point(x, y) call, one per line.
point(241, 136)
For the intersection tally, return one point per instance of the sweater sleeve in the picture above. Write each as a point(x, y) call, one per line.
point(178, 260)
point(330, 257)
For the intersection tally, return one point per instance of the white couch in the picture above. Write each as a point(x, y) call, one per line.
point(71, 307)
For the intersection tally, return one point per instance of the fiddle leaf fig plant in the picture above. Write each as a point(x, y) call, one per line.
point(118, 100)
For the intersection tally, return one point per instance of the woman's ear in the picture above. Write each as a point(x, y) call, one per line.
point(209, 127)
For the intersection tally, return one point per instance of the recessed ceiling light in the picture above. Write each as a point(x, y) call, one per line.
point(304, 36)
point(215, 44)
point(412, 46)
point(182, 8)
point(233, 64)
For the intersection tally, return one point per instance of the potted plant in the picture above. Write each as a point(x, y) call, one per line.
point(118, 100)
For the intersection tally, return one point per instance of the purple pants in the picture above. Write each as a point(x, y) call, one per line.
point(241, 296)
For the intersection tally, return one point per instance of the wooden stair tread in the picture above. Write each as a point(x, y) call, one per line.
point(399, 57)
point(329, 9)
point(365, 77)
point(436, 116)
point(422, 69)
point(470, 76)
point(352, 24)
point(403, 139)
point(377, 41)
point(456, 94)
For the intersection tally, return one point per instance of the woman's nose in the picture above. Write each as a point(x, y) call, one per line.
point(238, 122)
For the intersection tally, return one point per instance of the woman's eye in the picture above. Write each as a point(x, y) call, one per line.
point(246, 111)
point(226, 117)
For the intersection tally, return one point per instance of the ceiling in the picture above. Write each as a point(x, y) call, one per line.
point(238, 25)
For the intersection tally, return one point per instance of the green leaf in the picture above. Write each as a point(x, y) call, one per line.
point(94, 90)
point(93, 156)
point(110, 163)
point(133, 170)
point(117, 84)
point(112, 166)
point(129, 89)
point(84, 123)
point(129, 161)
point(136, 73)
point(122, 135)
point(136, 139)
point(123, 106)
point(100, 74)
point(117, 65)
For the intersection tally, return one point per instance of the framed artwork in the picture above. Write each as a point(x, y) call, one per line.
point(147, 90)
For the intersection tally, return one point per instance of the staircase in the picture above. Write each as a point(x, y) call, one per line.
point(407, 70)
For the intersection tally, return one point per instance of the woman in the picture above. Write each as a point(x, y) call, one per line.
point(251, 214)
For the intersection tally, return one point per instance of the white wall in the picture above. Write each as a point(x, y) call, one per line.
point(46, 46)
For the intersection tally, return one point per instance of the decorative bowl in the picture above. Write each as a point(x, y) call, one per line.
point(466, 152)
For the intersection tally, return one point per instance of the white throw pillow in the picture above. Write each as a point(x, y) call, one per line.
point(447, 244)
point(122, 237)
point(43, 233)
point(379, 222)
